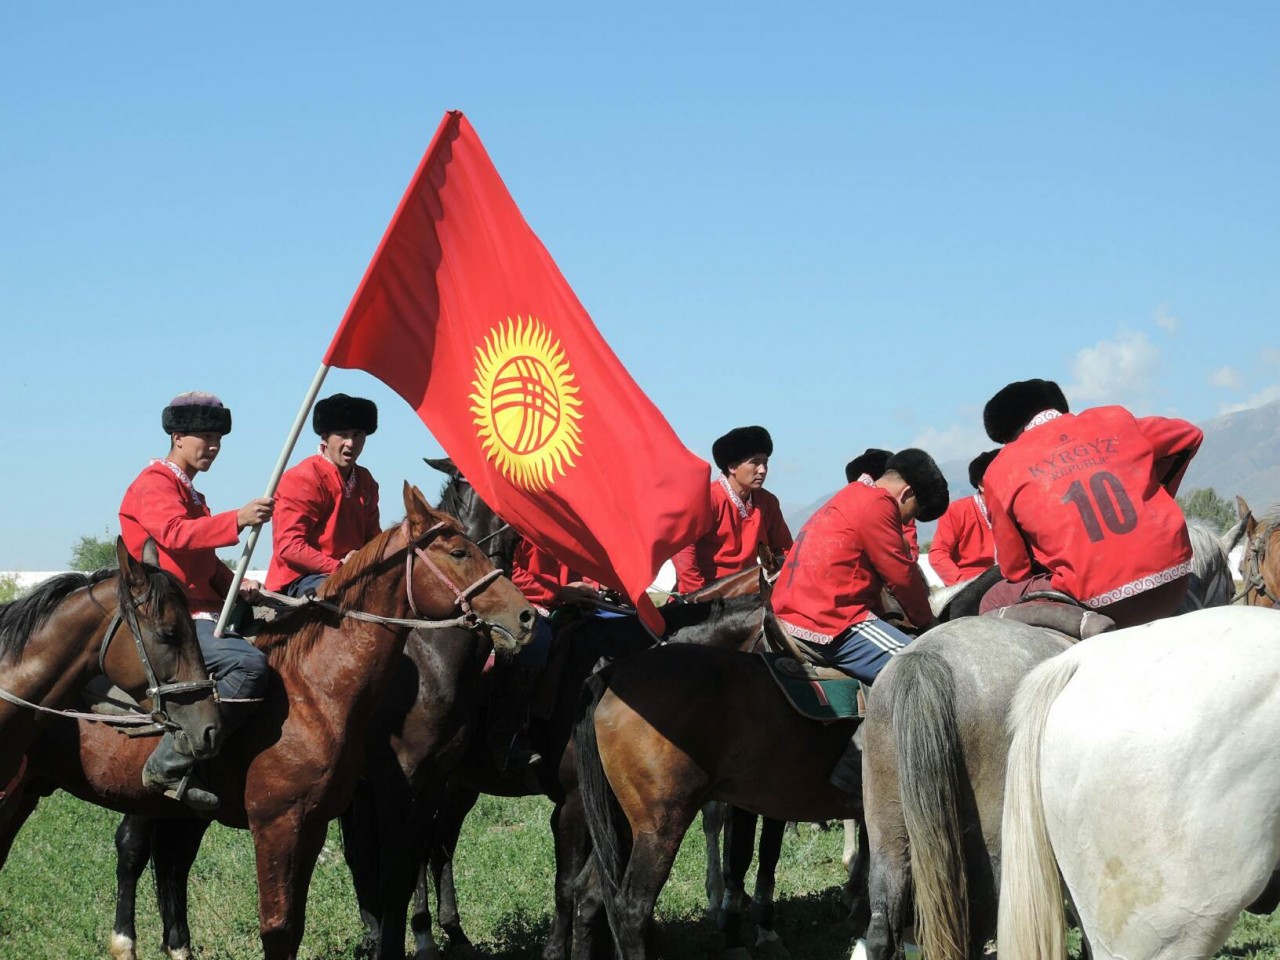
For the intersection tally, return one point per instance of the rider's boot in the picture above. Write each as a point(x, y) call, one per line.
point(508, 720)
point(169, 771)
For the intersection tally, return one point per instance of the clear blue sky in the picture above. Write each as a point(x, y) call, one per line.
point(849, 222)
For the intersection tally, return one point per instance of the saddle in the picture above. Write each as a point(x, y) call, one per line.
point(814, 690)
point(1058, 612)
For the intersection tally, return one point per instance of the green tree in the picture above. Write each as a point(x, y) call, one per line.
point(90, 553)
point(10, 589)
point(1217, 513)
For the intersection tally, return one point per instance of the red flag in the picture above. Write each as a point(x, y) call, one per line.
point(464, 314)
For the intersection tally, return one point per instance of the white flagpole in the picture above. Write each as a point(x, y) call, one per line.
point(254, 531)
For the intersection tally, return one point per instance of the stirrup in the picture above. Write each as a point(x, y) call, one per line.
point(179, 793)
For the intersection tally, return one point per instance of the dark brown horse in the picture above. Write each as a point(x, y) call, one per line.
point(1260, 562)
point(295, 767)
point(58, 637)
point(656, 747)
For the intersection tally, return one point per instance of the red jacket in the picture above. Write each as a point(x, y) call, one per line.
point(539, 576)
point(1082, 496)
point(963, 544)
point(160, 506)
point(736, 533)
point(315, 523)
point(846, 554)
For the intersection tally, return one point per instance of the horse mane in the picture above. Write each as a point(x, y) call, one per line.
point(288, 639)
point(22, 618)
point(450, 499)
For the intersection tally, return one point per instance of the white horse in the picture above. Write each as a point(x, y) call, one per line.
point(1145, 771)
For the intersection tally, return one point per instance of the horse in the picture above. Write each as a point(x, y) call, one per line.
point(938, 717)
point(58, 637)
point(458, 498)
point(653, 746)
point(1260, 563)
point(1144, 775)
point(288, 773)
point(732, 623)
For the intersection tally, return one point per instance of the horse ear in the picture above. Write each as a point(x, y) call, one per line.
point(416, 511)
point(129, 567)
point(151, 553)
point(1242, 508)
point(444, 465)
point(766, 587)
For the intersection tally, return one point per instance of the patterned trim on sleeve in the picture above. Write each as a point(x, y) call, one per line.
point(1141, 585)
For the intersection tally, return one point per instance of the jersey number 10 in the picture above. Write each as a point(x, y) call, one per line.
point(1106, 499)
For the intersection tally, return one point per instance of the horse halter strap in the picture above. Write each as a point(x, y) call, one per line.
point(1253, 578)
point(156, 690)
point(463, 597)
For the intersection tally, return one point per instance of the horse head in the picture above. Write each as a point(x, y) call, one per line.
point(1260, 561)
point(163, 664)
point(497, 538)
point(456, 573)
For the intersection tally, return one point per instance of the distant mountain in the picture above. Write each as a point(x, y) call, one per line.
point(1240, 455)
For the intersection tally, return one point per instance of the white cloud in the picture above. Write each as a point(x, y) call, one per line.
point(1114, 371)
point(1165, 320)
point(1225, 377)
point(1265, 395)
point(954, 442)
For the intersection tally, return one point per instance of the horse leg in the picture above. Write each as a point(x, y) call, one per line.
point(359, 823)
point(739, 849)
point(174, 848)
point(456, 804)
point(713, 820)
point(14, 812)
point(652, 856)
point(573, 849)
point(133, 850)
point(286, 849)
point(589, 921)
point(771, 833)
point(406, 833)
point(424, 940)
point(855, 889)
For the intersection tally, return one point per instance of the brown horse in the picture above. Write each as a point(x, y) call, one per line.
point(58, 637)
point(1260, 563)
point(296, 767)
point(656, 747)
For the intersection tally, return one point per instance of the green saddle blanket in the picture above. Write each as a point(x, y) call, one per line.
point(819, 693)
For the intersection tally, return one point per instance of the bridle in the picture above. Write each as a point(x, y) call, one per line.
point(156, 691)
point(469, 619)
point(1253, 579)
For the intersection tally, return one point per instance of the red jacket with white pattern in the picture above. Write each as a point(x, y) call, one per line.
point(730, 545)
point(963, 544)
point(850, 550)
point(1089, 497)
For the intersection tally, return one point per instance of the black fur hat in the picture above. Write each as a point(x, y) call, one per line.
point(978, 466)
point(740, 443)
point(1013, 407)
point(196, 412)
point(930, 486)
point(341, 412)
point(871, 462)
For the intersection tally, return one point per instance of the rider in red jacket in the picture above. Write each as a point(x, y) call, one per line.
point(1083, 503)
point(963, 544)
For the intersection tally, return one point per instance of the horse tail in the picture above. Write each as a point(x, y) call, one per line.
point(606, 822)
point(928, 753)
point(1032, 920)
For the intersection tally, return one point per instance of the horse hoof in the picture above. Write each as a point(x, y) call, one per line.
point(735, 953)
point(772, 949)
point(859, 951)
point(715, 915)
point(123, 948)
point(179, 953)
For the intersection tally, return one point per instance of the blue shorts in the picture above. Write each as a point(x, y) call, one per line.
point(863, 649)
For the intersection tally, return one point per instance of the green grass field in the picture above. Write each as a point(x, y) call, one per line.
point(57, 892)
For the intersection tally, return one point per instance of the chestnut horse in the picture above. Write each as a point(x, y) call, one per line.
point(58, 637)
point(288, 773)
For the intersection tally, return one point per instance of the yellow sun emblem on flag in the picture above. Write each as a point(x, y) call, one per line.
point(526, 405)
